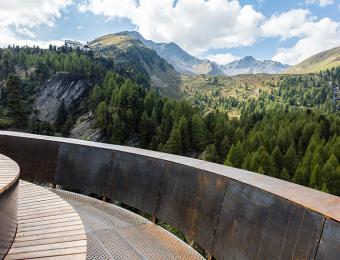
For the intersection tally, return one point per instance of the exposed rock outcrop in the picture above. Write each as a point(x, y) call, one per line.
point(85, 128)
point(62, 91)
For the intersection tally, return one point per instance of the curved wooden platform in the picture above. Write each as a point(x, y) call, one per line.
point(48, 227)
point(9, 177)
point(9, 173)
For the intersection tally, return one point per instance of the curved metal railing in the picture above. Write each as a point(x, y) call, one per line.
point(231, 213)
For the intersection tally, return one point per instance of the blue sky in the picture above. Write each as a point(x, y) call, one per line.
point(221, 30)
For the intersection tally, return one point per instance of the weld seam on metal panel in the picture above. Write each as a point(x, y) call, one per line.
point(218, 218)
point(322, 229)
point(109, 170)
point(298, 235)
point(159, 192)
point(56, 166)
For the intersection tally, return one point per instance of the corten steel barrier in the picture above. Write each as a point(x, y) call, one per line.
point(9, 179)
point(231, 213)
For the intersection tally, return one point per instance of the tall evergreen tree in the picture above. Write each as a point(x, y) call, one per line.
point(15, 101)
point(174, 144)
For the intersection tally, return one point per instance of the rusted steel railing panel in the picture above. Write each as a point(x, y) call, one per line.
point(135, 180)
point(82, 168)
point(190, 200)
point(258, 225)
point(329, 247)
point(37, 158)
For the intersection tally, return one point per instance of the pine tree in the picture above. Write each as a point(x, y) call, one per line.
point(235, 156)
point(101, 115)
point(185, 139)
point(173, 145)
point(277, 157)
point(284, 175)
point(15, 101)
point(290, 160)
point(118, 130)
point(314, 178)
point(324, 188)
point(331, 175)
point(198, 133)
point(264, 162)
point(210, 154)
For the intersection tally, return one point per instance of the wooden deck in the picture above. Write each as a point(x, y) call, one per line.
point(9, 173)
point(48, 227)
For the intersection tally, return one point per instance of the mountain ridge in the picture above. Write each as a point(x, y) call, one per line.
point(318, 62)
point(187, 64)
point(130, 52)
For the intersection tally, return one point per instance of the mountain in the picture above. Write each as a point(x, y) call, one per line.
point(321, 61)
point(131, 53)
point(249, 65)
point(182, 61)
point(187, 64)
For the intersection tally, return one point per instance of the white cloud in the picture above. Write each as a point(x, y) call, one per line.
point(222, 58)
point(313, 35)
point(286, 25)
point(196, 25)
point(18, 18)
point(320, 2)
point(324, 35)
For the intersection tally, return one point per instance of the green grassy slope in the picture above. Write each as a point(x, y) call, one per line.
point(321, 61)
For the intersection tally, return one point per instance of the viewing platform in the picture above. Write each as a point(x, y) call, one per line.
point(230, 213)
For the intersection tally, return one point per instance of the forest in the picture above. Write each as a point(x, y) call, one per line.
point(296, 138)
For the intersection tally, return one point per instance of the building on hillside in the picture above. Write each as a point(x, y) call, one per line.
point(75, 45)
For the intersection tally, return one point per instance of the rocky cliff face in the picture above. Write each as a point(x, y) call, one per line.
point(85, 128)
point(62, 91)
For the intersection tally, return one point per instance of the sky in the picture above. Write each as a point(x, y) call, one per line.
point(287, 31)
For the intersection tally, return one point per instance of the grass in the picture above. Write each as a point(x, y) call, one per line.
point(240, 87)
point(6, 122)
point(319, 62)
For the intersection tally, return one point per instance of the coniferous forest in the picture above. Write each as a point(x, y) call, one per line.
point(296, 138)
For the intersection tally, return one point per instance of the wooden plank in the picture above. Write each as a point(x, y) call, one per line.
point(26, 221)
point(51, 246)
point(45, 253)
point(40, 198)
point(65, 257)
point(50, 235)
point(47, 214)
point(33, 204)
point(48, 222)
point(48, 230)
point(48, 227)
point(37, 206)
point(51, 225)
point(49, 240)
point(42, 210)
point(9, 172)
point(32, 193)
